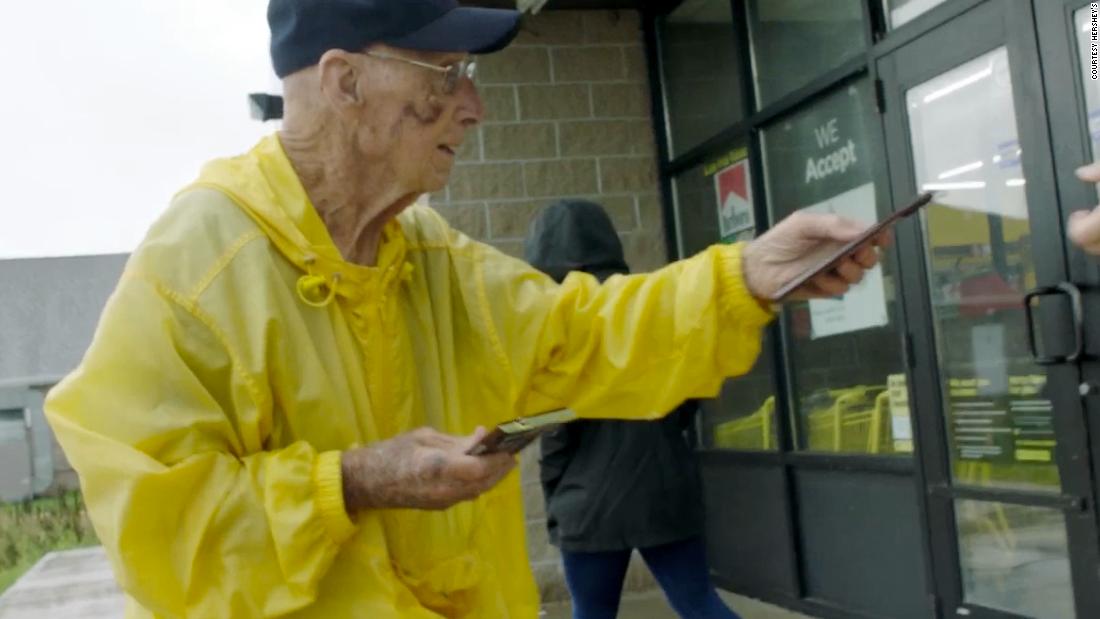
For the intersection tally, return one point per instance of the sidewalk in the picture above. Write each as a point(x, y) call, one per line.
point(78, 584)
point(654, 606)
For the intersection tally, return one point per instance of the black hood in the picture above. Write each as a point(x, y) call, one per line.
point(574, 235)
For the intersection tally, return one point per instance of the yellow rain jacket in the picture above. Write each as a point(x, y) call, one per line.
point(241, 354)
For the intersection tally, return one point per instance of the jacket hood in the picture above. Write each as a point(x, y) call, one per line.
point(574, 235)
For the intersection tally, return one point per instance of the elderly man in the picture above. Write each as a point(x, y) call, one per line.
point(273, 417)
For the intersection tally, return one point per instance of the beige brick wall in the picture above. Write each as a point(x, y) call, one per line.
point(567, 115)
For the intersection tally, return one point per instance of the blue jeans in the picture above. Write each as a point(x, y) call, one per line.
point(595, 580)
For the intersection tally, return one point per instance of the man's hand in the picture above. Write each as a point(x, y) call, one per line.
point(422, 469)
point(798, 243)
point(1084, 226)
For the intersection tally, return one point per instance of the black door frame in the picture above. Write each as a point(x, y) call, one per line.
point(1072, 148)
point(986, 27)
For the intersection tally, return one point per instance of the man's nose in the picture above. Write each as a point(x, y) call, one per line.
point(471, 110)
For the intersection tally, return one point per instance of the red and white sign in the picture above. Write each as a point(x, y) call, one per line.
point(734, 187)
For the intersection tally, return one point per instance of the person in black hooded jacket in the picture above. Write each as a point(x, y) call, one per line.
point(615, 486)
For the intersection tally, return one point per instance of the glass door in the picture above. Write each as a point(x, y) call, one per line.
point(1001, 437)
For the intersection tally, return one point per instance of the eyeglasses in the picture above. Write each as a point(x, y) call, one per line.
point(467, 67)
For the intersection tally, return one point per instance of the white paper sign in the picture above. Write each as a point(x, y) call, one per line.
point(864, 306)
point(901, 427)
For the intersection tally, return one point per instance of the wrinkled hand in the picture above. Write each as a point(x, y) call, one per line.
point(422, 469)
point(799, 242)
point(1084, 226)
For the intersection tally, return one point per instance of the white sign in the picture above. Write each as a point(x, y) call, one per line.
point(988, 351)
point(733, 186)
point(901, 427)
point(864, 306)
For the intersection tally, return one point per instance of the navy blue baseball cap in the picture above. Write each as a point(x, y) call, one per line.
point(303, 30)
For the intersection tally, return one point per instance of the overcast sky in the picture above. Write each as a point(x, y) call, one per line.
point(109, 108)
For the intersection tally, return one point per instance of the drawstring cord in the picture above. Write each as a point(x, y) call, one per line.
point(407, 272)
point(309, 286)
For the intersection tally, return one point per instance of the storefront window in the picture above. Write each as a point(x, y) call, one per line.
point(701, 72)
point(903, 11)
point(848, 376)
point(794, 41)
point(714, 203)
point(999, 420)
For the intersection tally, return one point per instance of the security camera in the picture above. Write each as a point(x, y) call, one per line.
point(265, 107)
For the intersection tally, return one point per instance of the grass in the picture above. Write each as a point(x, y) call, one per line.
point(31, 529)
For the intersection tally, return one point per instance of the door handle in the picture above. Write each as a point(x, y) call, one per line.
point(950, 492)
point(1076, 314)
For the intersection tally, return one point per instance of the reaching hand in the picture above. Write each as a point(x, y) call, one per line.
point(799, 242)
point(1084, 226)
point(422, 469)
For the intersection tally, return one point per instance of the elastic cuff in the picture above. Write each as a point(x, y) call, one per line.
point(328, 484)
point(734, 298)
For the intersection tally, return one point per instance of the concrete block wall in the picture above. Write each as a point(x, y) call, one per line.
point(567, 115)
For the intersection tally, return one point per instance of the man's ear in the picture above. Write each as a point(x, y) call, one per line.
point(339, 75)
